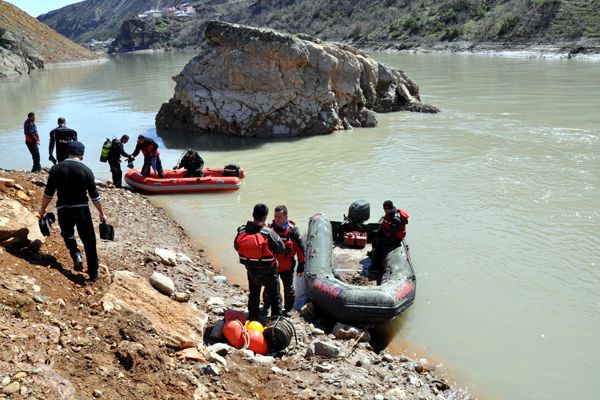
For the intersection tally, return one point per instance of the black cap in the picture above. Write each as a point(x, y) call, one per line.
point(260, 211)
point(388, 204)
point(76, 148)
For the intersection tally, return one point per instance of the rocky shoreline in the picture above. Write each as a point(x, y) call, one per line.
point(65, 338)
point(586, 49)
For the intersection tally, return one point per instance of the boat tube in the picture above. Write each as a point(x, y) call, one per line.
point(350, 302)
point(175, 181)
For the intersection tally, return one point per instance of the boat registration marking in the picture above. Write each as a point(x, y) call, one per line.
point(403, 291)
point(326, 288)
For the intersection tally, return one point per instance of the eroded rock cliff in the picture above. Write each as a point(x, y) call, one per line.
point(259, 82)
point(26, 44)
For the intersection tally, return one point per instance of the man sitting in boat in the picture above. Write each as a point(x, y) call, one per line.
point(193, 164)
point(391, 232)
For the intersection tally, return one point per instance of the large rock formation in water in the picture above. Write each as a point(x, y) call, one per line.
point(258, 82)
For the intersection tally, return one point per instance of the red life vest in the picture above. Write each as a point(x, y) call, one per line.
point(254, 247)
point(149, 148)
point(286, 262)
point(386, 225)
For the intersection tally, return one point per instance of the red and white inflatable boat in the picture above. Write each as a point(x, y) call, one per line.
point(175, 181)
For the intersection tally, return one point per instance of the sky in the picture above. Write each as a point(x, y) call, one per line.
point(39, 7)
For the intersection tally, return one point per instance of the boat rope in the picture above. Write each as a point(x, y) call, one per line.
point(278, 333)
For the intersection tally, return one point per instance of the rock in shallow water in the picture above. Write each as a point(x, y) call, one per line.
point(250, 81)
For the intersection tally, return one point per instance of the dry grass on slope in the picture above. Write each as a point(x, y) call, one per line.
point(51, 45)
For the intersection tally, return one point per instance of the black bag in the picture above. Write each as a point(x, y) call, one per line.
point(107, 232)
point(46, 223)
point(232, 170)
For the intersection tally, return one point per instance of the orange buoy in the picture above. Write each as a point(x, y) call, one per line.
point(234, 332)
point(257, 342)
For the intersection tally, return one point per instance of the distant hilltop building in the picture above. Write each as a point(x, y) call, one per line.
point(181, 10)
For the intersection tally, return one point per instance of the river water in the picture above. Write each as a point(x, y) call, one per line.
point(503, 189)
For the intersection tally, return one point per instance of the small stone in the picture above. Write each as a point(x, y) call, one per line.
point(20, 375)
point(278, 370)
point(61, 303)
point(39, 299)
point(97, 393)
point(11, 388)
point(211, 370)
point(183, 258)
point(220, 279)
point(246, 353)
point(23, 196)
point(167, 257)
point(216, 358)
point(263, 359)
point(221, 349)
point(324, 368)
point(162, 283)
point(327, 350)
point(181, 297)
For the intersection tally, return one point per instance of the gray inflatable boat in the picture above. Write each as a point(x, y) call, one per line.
point(347, 301)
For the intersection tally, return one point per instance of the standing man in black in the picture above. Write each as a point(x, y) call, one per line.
point(61, 136)
point(74, 181)
point(257, 245)
point(114, 159)
point(32, 140)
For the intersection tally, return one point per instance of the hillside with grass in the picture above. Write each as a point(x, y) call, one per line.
point(394, 24)
point(26, 43)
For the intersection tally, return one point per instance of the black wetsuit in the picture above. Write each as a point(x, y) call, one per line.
point(114, 161)
point(61, 136)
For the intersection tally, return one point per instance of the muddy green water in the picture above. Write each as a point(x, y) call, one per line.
point(503, 188)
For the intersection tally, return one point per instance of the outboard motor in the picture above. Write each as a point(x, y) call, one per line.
point(359, 211)
point(232, 170)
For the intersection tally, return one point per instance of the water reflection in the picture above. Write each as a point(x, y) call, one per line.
point(179, 139)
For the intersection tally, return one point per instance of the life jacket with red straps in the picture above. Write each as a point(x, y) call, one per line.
point(286, 261)
point(149, 148)
point(387, 225)
point(254, 247)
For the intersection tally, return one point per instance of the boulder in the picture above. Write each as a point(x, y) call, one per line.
point(166, 256)
point(162, 283)
point(17, 223)
point(345, 332)
point(259, 82)
point(173, 322)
